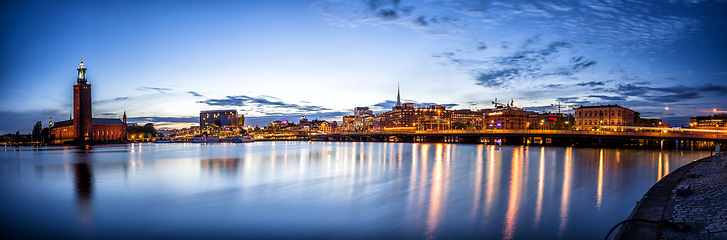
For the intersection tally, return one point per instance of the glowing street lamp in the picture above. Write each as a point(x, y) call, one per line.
point(665, 109)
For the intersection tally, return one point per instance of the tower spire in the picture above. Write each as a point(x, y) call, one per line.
point(81, 72)
point(398, 96)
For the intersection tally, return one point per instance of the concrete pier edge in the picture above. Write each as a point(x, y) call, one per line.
point(652, 205)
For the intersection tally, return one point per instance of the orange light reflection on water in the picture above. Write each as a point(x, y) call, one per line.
point(599, 191)
point(436, 194)
point(541, 186)
point(514, 200)
point(567, 172)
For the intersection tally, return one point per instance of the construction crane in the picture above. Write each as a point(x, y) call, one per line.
point(500, 105)
point(567, 106)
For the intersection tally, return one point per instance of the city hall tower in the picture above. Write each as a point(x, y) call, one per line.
point(82, 113)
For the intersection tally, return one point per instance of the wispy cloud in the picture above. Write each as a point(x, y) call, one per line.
point(524, 64)
point(590, 84)
point(671, 94)
point(261, 101)
point(195, 94)
point(161, 90)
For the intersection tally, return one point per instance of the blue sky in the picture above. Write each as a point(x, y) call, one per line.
point(164, 61)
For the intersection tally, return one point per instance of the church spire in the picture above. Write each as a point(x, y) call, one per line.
point(398, 97)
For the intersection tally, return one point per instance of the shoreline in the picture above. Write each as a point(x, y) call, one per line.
point(701, 185)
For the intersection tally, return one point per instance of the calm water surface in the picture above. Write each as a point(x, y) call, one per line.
point(324, 190)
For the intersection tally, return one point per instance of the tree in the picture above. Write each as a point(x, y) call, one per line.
point(17, 136)
point(560, 124)
point(142, 131)
point(37, 130)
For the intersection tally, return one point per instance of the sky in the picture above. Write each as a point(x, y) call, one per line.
point(165, 61)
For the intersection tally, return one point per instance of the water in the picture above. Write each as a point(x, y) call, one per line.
point(324, 190)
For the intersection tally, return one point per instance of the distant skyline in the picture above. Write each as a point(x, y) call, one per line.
point(165, 61)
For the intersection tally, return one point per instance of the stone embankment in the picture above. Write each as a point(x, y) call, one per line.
point(694, 195)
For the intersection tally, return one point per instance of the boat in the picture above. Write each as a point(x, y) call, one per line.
point(197, 140)
point(242, 139)
point(163, 140)
point(212, 139)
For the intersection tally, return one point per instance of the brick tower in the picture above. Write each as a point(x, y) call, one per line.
point(82, 106)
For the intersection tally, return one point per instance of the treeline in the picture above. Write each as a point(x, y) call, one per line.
point(146, 131)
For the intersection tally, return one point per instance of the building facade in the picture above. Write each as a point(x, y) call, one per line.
point(408, 118)
point(589, 117)
point(714, 122)
point(83, 127)
point(215, 120)
point(507, 118)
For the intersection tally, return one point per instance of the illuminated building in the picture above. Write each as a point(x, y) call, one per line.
point(715, 122)
point(434, 117)
point(541, 121)
point(347, 123)
point(361, 111)
point(589, 117)
point(506, 118)
point(216, 120)
point(466, 116)
point(83, 127)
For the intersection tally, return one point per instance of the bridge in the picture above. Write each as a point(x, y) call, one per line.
point(618, 136)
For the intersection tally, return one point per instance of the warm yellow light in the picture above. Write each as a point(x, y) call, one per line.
point(666, 108)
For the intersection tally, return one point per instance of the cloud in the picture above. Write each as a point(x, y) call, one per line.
point(420, 21)
point(553, 86)
point(195, 94)
point(191, 119)
point(609, 98)
point(161, 90)
point(526, 63)
point(386, 105)
point(121, 98)
point(618, 25)
point(481, 46)
point(260, 101)
point(496, 78)
point(591, 84)
point(671, 94)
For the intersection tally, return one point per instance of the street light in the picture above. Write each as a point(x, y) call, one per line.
point(665, 109)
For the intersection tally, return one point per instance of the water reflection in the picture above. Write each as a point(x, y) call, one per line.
point(225, 165)
point(541, 188)
point(437, 193)
point(335, 190)
point(599, 191)
point(84, 190)
point(567, 171)
point(514, 199)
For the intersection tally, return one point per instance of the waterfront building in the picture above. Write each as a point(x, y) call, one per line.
point(347, 123)
point(215, 120)
point(589, 117)
point(83, 127)
point(408, 118)
point(715, 122)
point(361, 111)
point(542, 121)
point(469, 117)
point(507, 118)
